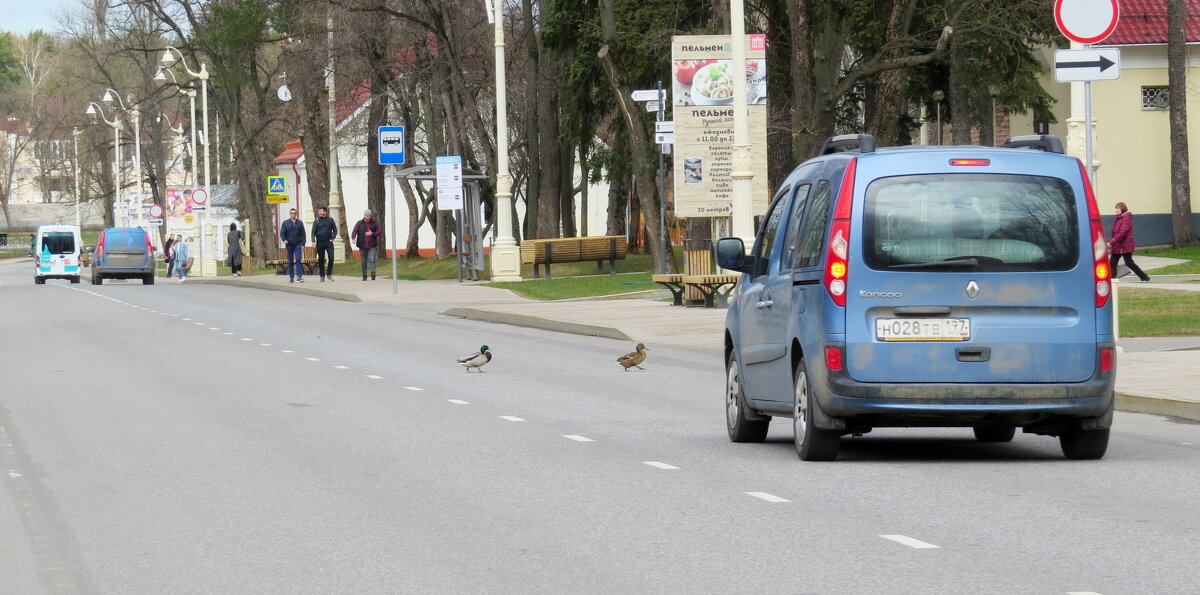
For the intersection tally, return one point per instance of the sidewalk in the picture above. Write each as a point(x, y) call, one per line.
point(1155, 375)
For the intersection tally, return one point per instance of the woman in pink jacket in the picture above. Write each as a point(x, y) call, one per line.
point(1121, 242)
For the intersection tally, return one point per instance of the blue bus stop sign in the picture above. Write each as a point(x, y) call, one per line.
point(391, 145)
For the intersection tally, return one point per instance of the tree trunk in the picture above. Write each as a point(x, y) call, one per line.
point(888, 102)
point(1182, 225)
point(960, 99)
point(380, 66)
point(534, 205)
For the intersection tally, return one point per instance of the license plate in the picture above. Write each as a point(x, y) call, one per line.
point(923, 329)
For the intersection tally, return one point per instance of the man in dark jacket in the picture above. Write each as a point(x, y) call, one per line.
point(366, 237)
point(293, 236)
point(323, 231)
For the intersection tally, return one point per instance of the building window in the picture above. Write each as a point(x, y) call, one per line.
point(1156, 98)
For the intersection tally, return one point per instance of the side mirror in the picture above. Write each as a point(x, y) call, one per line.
point(731, 254)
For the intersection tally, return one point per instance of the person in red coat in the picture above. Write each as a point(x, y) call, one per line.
point(1121, 244)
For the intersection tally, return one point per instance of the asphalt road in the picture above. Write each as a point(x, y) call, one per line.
point(188, 438)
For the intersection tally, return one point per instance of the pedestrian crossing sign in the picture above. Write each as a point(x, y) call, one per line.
point(276, 185)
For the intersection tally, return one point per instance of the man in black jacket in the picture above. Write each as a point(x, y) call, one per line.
point(292, 234)
point(323, 231)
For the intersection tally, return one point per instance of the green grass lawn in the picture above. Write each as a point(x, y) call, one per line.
point(1159, 313)
point(561, 288)
point(1191, 254)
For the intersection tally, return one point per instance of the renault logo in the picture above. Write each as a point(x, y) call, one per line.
point(972, 289)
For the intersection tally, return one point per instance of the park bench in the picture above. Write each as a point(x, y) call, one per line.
point(673, 282)
point(543, 252)
point(308, 260)
point(715, 288)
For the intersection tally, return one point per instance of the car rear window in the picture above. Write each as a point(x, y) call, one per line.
point(125, 241)
point(980, 222)
point(59, 242)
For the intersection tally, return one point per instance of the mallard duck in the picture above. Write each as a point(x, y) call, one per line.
point(632, 359)
point(477, 359)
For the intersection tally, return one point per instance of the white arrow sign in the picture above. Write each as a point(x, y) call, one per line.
point(646, 94)
point(1096, 64)
point(651, 106)
point(665, 126)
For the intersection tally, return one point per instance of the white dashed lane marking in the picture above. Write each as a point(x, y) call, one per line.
point(312, 359)
point(412, 388)
point(577, 438)
point(199, 324)
point(229, 333)
point(659, 465)
point(342, 367)
point(457, 401)
point(374, 377)
point(247, 339)
point(910, 542)
point(511, 418)
point(767, 497)
point(287, 351)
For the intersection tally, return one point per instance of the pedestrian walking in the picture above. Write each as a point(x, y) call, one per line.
point(169, 254)
point(292, 233)
point(366, 237)
point(181, 257)
point(233, 247)
point(324, 229)
point(1121, 243)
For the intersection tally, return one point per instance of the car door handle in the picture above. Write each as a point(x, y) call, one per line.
point(764, 304)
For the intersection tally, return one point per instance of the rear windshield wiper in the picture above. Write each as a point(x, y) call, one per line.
point(956, 263)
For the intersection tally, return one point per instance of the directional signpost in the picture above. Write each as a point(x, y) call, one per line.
point(1096, 64)
point(1087, 22)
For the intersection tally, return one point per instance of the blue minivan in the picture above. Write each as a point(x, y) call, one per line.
point(123, 253)
point(922, 286)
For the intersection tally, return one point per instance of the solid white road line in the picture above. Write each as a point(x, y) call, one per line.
point(577, 438)
point(659, 465)
point(457, 401)
point(411, 388)
point(374, 377)
point(910, 542)
point(511, 418)
point(767, 497)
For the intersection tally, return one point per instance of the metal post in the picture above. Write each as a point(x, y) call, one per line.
point(506, 264)
point(207, 183)
point(118, 170)
point(459, 226)
point(78, 217)
point(137, 163)
point(662, 188)
point(335, 194)
point(1087, 129)
point(395, 235)
point(742, 174)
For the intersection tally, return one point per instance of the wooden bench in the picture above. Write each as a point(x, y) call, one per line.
point(308, 260)
point(716, 288)
point(673, 282)
point(559, 250)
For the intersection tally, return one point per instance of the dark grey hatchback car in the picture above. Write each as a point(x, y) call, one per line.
point(123, 253)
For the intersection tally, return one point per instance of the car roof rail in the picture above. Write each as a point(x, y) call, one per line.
point(1044, 142)
point(865, 143)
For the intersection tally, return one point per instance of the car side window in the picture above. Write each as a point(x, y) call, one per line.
point(795, 217)
point(766, 238)
point(812, 233)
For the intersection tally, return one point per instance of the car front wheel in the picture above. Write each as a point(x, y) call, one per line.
point(739, 426)
point(812, 443)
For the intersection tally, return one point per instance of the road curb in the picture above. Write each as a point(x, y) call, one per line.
point(289, 288)
point(573, 328)
point(1158, 406)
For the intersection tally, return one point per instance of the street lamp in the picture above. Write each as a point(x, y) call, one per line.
point(506, 264)
point(95, 111)
point(208, 264)
point(75, 177)
point(742, 174)
point(109, 96)
point(938, 96)
point(191, 95)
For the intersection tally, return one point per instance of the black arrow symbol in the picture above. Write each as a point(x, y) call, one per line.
point(1103, 64)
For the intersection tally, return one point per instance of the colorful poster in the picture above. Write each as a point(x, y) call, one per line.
point(702, 87)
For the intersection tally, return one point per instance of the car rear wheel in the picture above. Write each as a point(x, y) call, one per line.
point(812, 443)
point(148, 280)
point(39, 280)
point(995, 434)
point(739, 426)
point(1083, 445)
point(75, 279)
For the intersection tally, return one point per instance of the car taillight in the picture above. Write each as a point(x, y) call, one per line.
point(833, 358)
point(100, 247)
point(974, 162)
point(1101, 274)
point(149, 247)
point(1106, 359)
point(836, 261)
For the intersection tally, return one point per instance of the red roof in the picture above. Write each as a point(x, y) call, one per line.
point(1145, 22)
point(290, 154)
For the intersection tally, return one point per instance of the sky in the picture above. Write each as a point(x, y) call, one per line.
point(23, 16)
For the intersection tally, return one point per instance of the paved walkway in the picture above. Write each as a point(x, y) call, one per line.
point(1156, 375)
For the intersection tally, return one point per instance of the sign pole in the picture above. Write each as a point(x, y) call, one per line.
point(662, 189)
point(395, 235)
point(1087, 131)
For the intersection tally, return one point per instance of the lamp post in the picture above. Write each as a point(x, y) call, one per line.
point(191, 95)
point(938, 96)
point(109, 96)
point(742, 174)
point(335, 193)
point(75, 177)
point(95, 111)
point(208, 264)
point(506, 264)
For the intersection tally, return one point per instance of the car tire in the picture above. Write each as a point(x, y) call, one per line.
point(39, 280)
point(812, 443)
point(1080, 444)
point(738, 425)
point(75, 279)
point(995, 433)
point(148, 280)
point(97, 279)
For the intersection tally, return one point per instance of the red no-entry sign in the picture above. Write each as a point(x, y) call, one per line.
point(1086, 21)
